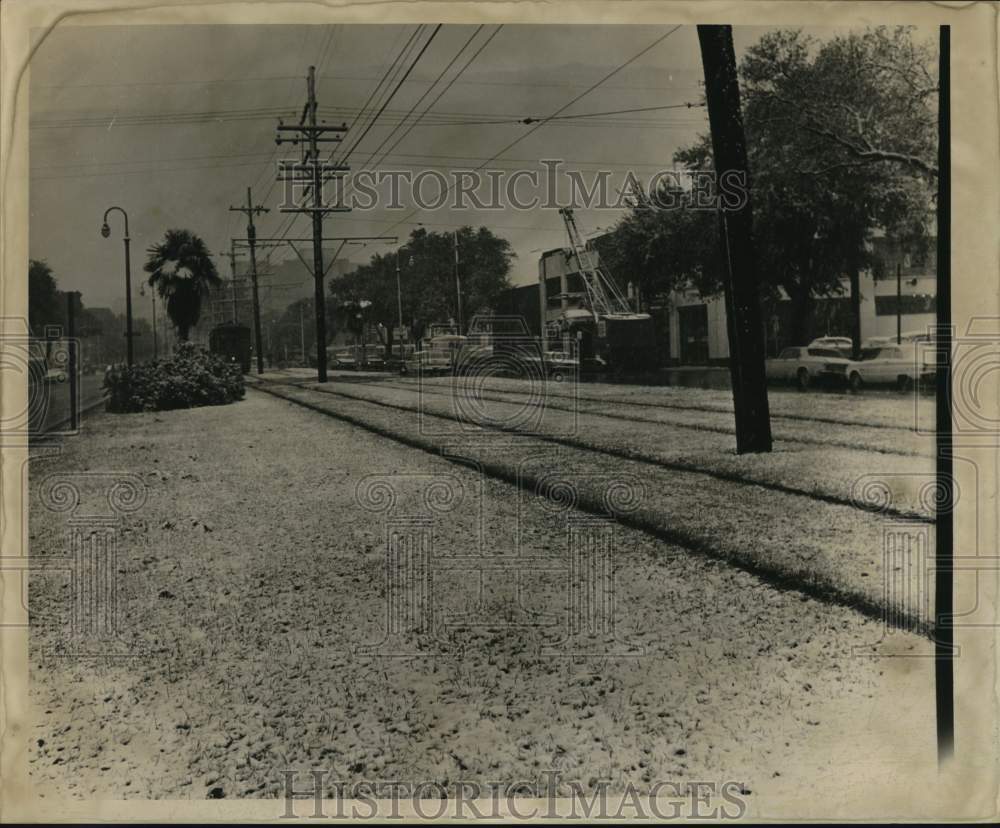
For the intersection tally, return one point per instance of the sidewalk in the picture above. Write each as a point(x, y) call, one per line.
point(254, 573)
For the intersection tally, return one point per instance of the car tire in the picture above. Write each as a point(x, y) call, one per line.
point(854, 381)
point(904, 384)
point(557, 376)
point(802, 379)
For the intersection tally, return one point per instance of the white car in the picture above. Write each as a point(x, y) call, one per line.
point(900, 365)
point(838, 343)
point(803, 364)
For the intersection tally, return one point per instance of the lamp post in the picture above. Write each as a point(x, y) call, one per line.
point(399, 293)
point(106, 232)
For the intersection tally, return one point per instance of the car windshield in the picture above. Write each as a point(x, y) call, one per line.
point(871, 353)
point(824, 352)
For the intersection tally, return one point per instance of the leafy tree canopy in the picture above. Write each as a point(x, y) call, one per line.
point(427, 279)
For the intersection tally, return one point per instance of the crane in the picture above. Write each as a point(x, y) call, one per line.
point(603, 295)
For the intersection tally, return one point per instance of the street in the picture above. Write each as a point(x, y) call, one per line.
point(57, 396)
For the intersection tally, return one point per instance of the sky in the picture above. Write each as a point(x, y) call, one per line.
point(173, 123)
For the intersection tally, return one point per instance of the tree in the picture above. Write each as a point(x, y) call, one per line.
point(182, 272)
point(427, 280)
point(865, 98)
point(44, 307)
point(648, 236)
point(842, 141)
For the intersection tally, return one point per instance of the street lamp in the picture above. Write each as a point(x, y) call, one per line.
point(106, 232)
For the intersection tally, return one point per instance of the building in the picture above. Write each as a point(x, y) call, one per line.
point(697, 325)
point(691, 329)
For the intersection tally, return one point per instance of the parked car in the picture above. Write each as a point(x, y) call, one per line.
point(374, 359)
point(344, 359)
point(901, 365)
point(554, 365)
point(438, 356)
point(400, 354)
point(838, 343)
point(907, 337)
point(803, 365)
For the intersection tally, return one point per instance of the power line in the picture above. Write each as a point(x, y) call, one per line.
point(444, 91)
point(439, 95)
point(443, 72)
point(347, 155)
point(288, 222)
point(353, 79)
point(386, 74)
point(559, 111)
point(394, 91)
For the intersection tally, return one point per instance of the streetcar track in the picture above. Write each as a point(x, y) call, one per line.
point(674, 406)
point(625, 454)
point(850, 446)
point(821, 588)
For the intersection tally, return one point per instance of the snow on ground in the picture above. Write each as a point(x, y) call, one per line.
point(251, 575)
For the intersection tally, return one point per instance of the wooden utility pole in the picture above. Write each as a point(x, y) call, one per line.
point(72, 300)
point(302, 331)
point(746, 343)
point(899, 303)
point(312, 134)
point(250, 212)
point(232, 273)
point(458, 287)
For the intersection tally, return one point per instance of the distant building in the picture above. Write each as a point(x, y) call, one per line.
point(691, 329)
point(697, 325)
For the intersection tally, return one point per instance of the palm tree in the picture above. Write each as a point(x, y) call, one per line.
point(182, 272)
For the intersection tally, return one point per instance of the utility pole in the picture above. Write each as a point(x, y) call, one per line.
point(899, 303)
point(302, 331)
point(250, 212)
point(156, 347)
point(72, 300)
point(746, 345)
point(458, 286)
point(312, 135)
point(399, 293)
point(232, 255)
point(232, 272)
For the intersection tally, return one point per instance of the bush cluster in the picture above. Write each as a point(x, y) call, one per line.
point(190, 378)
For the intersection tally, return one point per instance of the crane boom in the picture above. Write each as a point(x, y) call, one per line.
point(603, 295)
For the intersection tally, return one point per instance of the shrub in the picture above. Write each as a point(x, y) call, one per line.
point(190, 378)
